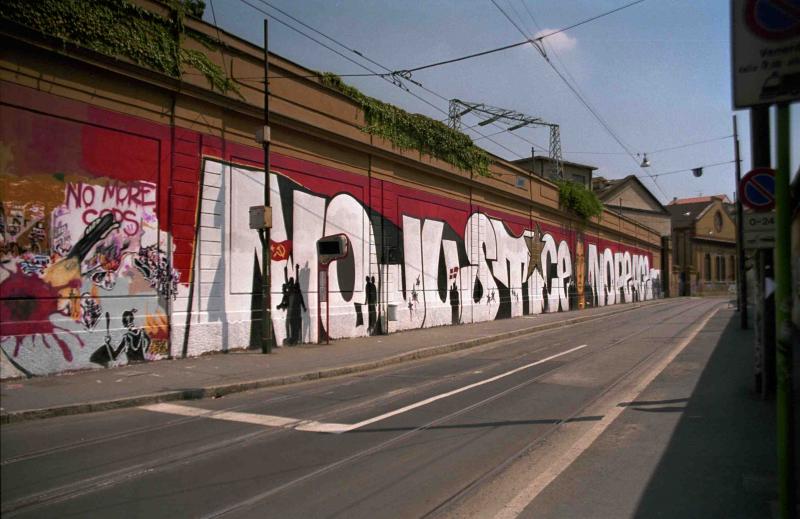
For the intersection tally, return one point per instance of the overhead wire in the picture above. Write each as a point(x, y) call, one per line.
point(392, 75)
point(437, 63)
point(405, 73)
point(596, 152)
point(690, 144)
point(348, 58)
point(394, 80)
point(695, 143)
point(593, 18)
point(574, 89)
point(691, 169)
point(219, 39)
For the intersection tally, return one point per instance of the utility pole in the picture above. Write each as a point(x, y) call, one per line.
point(740, 274)
point(266, 303)
point(783, 325)
point(764, 303)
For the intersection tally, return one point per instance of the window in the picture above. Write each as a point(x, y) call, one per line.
point(732, 269)
point(718, 221)
point(720, 268)
point(579, 179)
point(520, 182)
point(707, 267)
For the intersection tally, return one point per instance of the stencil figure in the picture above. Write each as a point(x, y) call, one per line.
point(294, 302)
point(284, 304)
point(134, 342)
point(454, 303)
point(372, 301)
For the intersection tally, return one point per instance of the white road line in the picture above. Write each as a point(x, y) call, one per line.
point(460, 390)
point(517, 505)
point(335, 428)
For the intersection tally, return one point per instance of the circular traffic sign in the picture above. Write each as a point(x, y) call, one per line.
point(757, 189)
point(773, 19)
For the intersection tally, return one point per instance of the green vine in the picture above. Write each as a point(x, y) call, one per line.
point(580, 200)
point(414, 131)
point(120, 28)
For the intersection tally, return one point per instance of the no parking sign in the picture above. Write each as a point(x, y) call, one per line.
point(757, 189)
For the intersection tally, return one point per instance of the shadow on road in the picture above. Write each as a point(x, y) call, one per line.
point(504, 423)
point(721, 459)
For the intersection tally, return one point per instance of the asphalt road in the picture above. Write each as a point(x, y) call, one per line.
point(410, 441)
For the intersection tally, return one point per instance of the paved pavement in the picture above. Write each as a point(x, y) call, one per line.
point(698, 442)
point(221, 374)
point(668, 387)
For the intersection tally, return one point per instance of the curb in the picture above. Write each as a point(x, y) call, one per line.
point(238, 387)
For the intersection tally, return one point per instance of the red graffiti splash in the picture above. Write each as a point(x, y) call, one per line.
point(25, 309)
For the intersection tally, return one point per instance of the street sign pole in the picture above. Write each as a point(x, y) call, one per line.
point(741, 298)
point(764, 306)
point(765, 45)
point(266, 303)
point(783, 332)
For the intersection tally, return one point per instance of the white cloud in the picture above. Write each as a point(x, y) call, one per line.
point(560, 42)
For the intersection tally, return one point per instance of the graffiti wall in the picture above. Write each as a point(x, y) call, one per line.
point(124, 241)
point(420, 259)
point(83, 272)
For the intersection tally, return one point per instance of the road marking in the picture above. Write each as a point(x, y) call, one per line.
point(235, 416)
point(518, 504)
point(326, 427)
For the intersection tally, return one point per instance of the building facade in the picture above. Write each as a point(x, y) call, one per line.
point(544, 167)
point(124, 224)
point(629, 197)
point(703, 246)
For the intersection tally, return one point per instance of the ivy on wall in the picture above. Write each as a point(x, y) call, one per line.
point(120, 28)
point(578, 199)
point(414, 131)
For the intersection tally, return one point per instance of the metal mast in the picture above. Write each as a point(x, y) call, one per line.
point(514, 120)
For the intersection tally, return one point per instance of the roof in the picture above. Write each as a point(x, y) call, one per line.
point(701, 199)
point(606, 189)
point(602, 186)
point(684, 215)
point(542, 158)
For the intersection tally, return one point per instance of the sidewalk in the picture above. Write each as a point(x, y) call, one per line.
point(698, 442)
point(220, 374)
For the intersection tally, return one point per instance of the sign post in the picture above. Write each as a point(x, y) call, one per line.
point(766, 70)
point(784, 398)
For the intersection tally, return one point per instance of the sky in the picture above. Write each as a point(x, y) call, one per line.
point(658, 73)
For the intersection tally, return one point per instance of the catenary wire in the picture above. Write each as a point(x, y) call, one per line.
point(390, 72)
point(690, 169)
point(688, 144)
point(578, 24)
point(360, 54)
point(575, 91)
point(447, 61)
